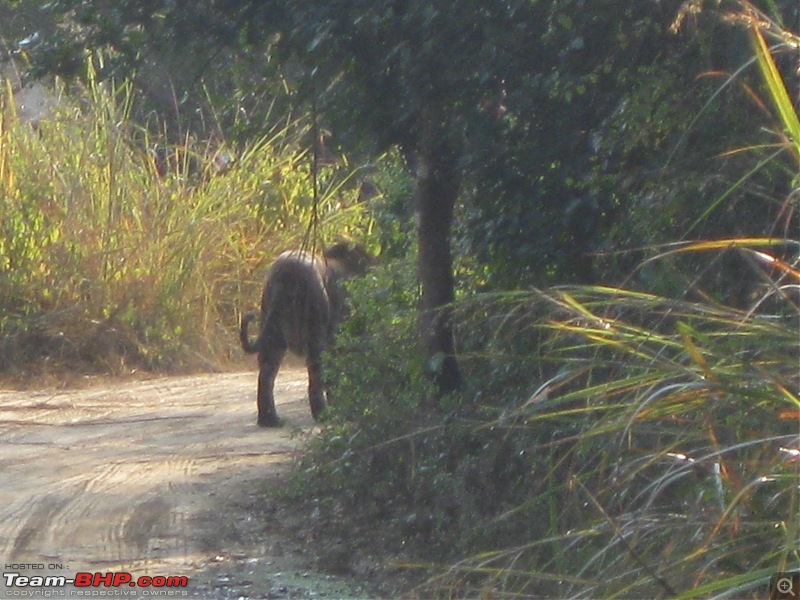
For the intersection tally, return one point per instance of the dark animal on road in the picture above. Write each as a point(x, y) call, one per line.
point(302, 303)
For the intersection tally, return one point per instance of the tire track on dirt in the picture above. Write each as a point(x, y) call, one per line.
point(29, 520)
point(125, 477)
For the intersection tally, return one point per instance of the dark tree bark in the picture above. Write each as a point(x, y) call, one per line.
point(437, 185)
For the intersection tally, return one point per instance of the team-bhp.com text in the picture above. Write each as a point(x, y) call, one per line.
point(94, 580)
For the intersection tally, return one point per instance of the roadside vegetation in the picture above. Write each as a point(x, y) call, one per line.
point(120, 251)
point(638, 440)
point(625, 274)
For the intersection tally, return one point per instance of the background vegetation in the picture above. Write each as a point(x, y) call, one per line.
point(625, 179)
point(118, 253)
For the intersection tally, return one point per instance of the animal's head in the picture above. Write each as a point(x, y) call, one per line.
point(349, 258)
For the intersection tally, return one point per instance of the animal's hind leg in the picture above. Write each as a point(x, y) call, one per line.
point(316, 385)
point(269, 363)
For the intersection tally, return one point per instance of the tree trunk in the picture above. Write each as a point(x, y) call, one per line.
point(437, 185)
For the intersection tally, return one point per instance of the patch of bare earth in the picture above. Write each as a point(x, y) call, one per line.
point(164, 477)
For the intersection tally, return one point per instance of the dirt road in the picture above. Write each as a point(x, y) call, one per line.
point(164, 477)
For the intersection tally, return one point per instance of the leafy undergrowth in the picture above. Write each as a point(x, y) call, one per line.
point(119, 251)
point(614, 443)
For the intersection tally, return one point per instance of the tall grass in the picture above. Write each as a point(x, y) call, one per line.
point(668, 428)
point(114, 257)
point(669, 435)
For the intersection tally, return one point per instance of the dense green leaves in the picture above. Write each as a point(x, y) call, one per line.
point(579, 128)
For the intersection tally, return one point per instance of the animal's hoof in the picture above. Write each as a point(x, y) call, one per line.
point(269, 422)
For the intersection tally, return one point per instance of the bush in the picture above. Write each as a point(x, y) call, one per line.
point(649, 451)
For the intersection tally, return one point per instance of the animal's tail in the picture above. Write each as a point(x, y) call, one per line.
point(248, 346)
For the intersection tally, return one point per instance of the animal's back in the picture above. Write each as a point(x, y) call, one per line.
point(302, 301)
point(295, 299)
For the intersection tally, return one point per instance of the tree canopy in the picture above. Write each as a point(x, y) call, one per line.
point(539, 121)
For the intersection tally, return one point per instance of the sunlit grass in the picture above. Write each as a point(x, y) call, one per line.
point(670, 428)
point(113, 256)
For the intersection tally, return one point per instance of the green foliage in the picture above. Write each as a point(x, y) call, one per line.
point(674, 424)
point(580, 130)
point(612, 442)
point(194, 66)
point(621, 135)
point(113, 254)
point(377, 382)
point(380, 337)
point(787, 113)
point(392, 210)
